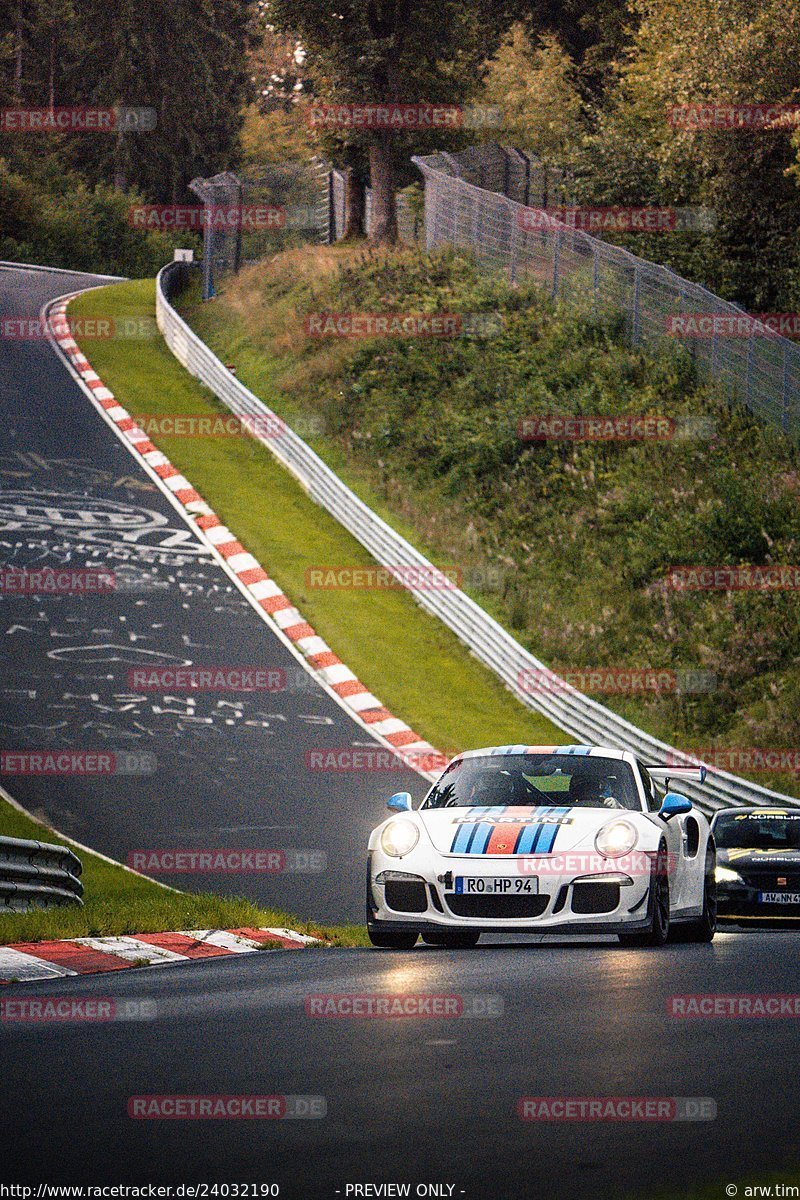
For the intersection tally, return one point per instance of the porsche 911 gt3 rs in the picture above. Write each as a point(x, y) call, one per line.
point(544, 839)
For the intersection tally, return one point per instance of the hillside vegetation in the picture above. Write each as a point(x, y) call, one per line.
point(565, 542)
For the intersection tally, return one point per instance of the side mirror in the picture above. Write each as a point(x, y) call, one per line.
point(400, 802)
point(674, 805)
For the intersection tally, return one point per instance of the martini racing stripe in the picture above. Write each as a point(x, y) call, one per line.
point(494, 835)
point(465, 834)
point(480, 836)
point(530, 835)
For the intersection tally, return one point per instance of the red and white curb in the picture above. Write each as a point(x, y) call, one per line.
point(326, 666)
point(25, 961)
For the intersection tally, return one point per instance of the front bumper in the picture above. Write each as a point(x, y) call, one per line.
point(738, 903)
point(563, 903)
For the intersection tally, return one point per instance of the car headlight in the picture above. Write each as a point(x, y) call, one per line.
point(616, 838)
point(726, 875)
point(399, 838)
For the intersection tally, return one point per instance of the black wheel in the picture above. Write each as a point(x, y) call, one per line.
point(657, 931)
point(452, 940)
point(392, 939)
point(704, 928)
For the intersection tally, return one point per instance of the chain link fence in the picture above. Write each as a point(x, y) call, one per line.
point(248, 216)
point(511, 233)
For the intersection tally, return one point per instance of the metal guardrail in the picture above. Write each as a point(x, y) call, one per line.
point(37, 875)
point(579, 716)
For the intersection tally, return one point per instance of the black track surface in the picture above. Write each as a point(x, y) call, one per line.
point(230, 768)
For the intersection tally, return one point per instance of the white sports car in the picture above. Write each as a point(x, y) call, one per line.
point(544, 839)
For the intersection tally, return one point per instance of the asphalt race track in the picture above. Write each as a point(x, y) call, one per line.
point(415, 1100)
point(422, 1100)
point(230, 769)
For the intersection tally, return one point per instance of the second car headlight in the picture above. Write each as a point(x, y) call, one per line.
point(726, 875)
point(399, 838)
point(616, 838)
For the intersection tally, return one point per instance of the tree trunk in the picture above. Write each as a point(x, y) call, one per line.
point(52, 71)
point(353, 204)
point(18, 58)
point(381, 172)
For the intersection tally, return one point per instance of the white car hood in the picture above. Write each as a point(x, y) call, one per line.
point(545, 830)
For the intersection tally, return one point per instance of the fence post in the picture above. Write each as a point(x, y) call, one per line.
point(785, 390)
point(237, 250)
point(332, 209)
point(595, 276)
point(635, 314)
point(749, 385)
point(514, 243)
point(556, 261)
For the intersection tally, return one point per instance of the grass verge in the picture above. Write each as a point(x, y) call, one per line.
point(121, 902)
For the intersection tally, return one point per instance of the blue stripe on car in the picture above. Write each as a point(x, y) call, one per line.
point(530, 835)
point(465, 833)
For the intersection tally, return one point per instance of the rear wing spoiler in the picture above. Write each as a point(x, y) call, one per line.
point(689, 774)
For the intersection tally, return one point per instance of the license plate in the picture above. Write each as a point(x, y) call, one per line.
point(496, 885)
point(779, 897)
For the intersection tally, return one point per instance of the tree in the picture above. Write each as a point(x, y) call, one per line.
point(381, 52)
point(536, 88)
point(687, 52)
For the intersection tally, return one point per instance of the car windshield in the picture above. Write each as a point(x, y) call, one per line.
point(565, 780)
point(758, 831)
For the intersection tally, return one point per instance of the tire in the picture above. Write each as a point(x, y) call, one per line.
point(704, 928)
point(657, 932)
point(456, 939)
point(392, 939)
